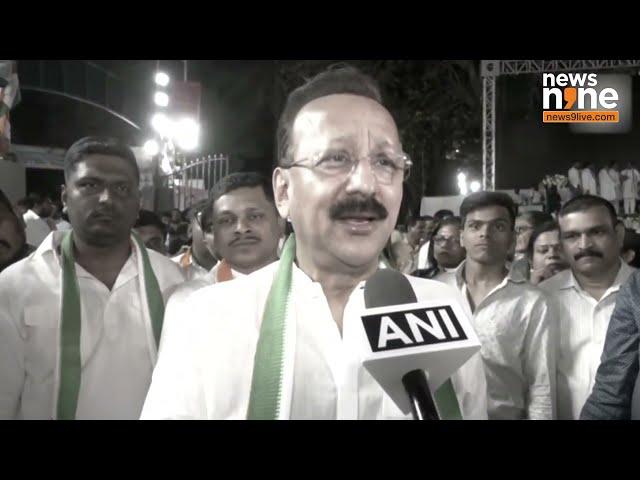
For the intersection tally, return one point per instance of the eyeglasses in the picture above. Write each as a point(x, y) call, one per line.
point(386, 165)
point(443, 240)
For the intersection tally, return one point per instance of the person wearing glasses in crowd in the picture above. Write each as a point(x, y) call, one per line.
point(283, 342)
point(446, 252)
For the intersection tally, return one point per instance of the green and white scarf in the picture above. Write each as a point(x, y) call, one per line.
point(68, 372)
point(272, 380)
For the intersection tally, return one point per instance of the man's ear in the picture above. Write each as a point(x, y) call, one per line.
point(628, 256)
point(281, 185)
point(63, 195)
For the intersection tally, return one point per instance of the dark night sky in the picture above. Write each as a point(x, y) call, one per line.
point(239, 106)
point(237, 111)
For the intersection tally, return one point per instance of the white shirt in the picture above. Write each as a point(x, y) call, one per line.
point(37, 229)
point(609, 184)
point(423, 256)
point(205, 364)
point(582, 328)
point(116, 362)
point(589, 184)
point(574, 177)
point(630, 185)
point(515, 328)
point(62, 225)
point(189, 266)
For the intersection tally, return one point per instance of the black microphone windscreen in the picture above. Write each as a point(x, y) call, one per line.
point(388, 287)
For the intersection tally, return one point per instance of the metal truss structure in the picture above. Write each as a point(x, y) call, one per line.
point(491, 69)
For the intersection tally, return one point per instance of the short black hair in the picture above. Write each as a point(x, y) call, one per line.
point(482, 199)
point(337, 79)
point(148, 218)
point(455, 221)
point(25, 202)
point(585, 202)
point(536, 218)
point(442, 214)
point(237, 180)
point(548, 226)
point(99, 146)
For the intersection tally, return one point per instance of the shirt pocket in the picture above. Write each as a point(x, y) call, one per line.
point(41, 337)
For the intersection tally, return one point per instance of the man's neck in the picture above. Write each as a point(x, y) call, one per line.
point(104, 263)
point(337, 283)
point(597, 285)
point(483, 274)
point(246, 270)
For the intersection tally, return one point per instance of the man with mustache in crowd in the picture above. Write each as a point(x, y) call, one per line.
point(245, 226)
point(81, 316)
point(339, 182)
point(585, 296)
point(13, 241)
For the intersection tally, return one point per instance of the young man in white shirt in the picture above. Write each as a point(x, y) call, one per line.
point(584, 296)
point(339, 183)
point(37, 228)
point(82, 315)
point(511, 316)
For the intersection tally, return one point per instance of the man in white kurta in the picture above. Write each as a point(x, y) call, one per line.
point(116, 359)
point(206, 355)
point(630, 188)
point(610, 186)
point(339, 181)
point(589, 184)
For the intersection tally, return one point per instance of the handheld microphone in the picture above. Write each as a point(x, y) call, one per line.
point(412, 347)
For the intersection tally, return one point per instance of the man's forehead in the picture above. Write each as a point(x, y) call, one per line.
point(489, 213)
point(242, 198)
point(104, 165)
point(344, 119)
point(593, 216)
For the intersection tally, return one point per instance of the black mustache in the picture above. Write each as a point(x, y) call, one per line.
point(239, 239)
point(588, 253)
point(354, 205)
point(102, 213)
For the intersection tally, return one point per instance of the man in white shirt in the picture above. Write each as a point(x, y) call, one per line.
point(575, 179)
point(630, 178)
point(284, 342)
point(197, 259)
point(245, 226)
point(82, 315)
point(511, 316)
point(610, 185)
point(13, 243)
point(585, 295)
point(34, 219)
point(589, 184)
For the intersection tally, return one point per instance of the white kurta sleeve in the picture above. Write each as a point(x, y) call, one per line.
point(12, 353)
point(539, 357)
point(176, 391)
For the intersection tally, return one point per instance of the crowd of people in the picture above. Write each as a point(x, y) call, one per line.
point(246, 305)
